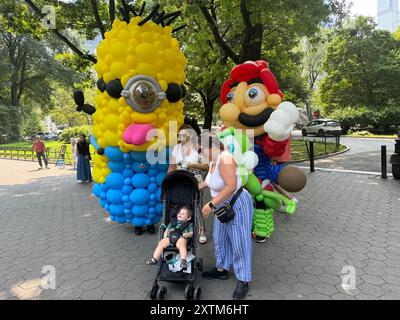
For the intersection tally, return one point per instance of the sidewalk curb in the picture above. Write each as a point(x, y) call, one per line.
point(322, 157)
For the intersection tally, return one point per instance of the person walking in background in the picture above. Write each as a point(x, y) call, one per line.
point(83, 154)
point(40, 149)
point(73, 149)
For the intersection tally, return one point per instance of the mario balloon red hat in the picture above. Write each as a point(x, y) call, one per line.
point(248, 71)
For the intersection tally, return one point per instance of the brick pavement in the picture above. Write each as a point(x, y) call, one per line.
point(46, 218)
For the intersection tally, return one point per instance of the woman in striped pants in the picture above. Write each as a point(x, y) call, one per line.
point(232, 240)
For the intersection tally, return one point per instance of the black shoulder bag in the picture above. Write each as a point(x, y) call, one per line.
point(226, 213)
point(177, 233)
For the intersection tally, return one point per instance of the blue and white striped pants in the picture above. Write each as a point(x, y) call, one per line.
point(232, 240)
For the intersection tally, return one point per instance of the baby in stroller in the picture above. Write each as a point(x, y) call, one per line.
point(176, 234)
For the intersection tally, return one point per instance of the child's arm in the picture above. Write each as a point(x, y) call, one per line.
point(166, 233)
point(167, 230)
point(188, 234)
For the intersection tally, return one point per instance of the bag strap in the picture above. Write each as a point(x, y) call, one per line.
point(236, 196)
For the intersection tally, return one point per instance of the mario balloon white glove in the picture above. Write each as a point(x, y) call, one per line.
point(280, 124)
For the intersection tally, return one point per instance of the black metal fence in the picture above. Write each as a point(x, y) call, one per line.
point(26, 154)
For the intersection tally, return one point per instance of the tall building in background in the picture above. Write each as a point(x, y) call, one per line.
point(388, 15)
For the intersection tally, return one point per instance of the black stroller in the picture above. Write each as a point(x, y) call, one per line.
point(179, 188)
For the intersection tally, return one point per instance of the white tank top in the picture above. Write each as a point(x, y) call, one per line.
point(214, 180)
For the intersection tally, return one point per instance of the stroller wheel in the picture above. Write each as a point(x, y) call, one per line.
point(199, 264)
point(197, 293)
point(161, 293)
point(189, 291)
point(153, 292)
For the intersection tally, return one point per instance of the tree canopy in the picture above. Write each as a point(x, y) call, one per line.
point(362, 69)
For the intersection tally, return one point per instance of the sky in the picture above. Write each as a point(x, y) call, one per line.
point(364, 7)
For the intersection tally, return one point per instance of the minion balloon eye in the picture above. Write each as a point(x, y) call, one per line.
point(230, 96)
point(143, 94)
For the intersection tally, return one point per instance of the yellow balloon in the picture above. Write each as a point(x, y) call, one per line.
point(111, 121)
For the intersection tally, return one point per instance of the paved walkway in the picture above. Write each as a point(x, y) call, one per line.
point(46, 218)
point(364, 155)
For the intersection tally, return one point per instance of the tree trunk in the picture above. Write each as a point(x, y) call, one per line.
point(208, 115)
point(251, 47)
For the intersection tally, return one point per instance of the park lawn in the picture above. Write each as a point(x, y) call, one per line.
point(371, 135)
point(299, 150)
point(53, 148)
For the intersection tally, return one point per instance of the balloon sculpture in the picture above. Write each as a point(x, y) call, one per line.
point(140, 73)
point(252, 100)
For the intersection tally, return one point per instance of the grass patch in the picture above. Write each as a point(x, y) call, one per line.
point(299, 149)
point(24, 151)
point(367, 134)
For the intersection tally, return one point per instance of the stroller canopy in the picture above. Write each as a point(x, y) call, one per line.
point(180, 187)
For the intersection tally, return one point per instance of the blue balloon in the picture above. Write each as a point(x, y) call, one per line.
point(121, 219)
point(116, 166)
point(140, 211)
point(139, 222)
point(128, 204)
point(127, 173)
point(116, 210)
point(103, 203)
point(103, 196)
point(149, 221)
point(158, 194)
point(160, 177)
point(162, 167)
point(140, 167)
point(97, 190)
point(125, 198)
point(115, 180)
point(115, 196)
point(152, 203)
point(153, 179)
point(104, 187)
point(128, 181)
point(140, 180)
point(140, 196)
point(159, 209)
point(153, 172)
point(127, 189)
point(138, 156)
point(152, 211)
point(153, 187)
point(113, 154)
point(107, 207)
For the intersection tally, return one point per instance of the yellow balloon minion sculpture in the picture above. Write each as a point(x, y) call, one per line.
point(140, 71)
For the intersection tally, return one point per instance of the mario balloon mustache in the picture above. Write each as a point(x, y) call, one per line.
point(252, 99)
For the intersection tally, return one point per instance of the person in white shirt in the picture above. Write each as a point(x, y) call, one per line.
point(185, 157)
point(232, 239)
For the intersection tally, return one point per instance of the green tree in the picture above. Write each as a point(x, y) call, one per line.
point(29, 70)
point(32, 124)
point(219, 34)
point(64, 112)
point(314, 51)
point(362, 69)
